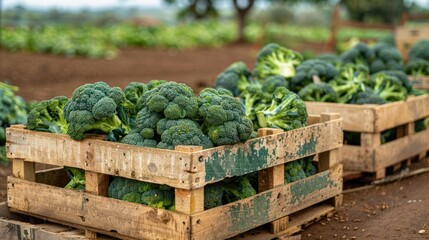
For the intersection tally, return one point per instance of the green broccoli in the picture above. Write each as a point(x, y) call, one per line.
point(273, 60)
point(250, 98)
point(294, 171)
point(48, 116)
point(93, 108)
point(333, 59)
point(270, 84)
point(237, 188)
point(77, 178)
point(119, 187)
point(135, 137)
point(164, 124)
point(417, 67)
point(351, 80)
point(388, 87)
point(158, 198)
point(308, 166)
point(359, 54)
point(213, 195)
point(187, 133)
point(419, 50)
point(401, 77)
point(367, 97)
point(385, 57)
point(234, 78)
point(286, 111)
point(224, 117)
point(154, 83)
point(174, 100)
point(147, 118)
point(421, 124)
point(133, 92)
point(309, 69)
point(318, 92)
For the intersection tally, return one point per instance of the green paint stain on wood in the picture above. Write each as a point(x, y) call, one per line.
point(251, 214)
point(235, 161)
point(306, 149)
point(301, 190)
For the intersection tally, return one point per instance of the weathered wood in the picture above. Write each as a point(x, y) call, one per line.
point(329, 158)
point(53, 176)
point(234, 218)
point(23, 169)
point(189, 201)
point(96, 212)
point(419, 82)
point(272, 150)
point(375, 118)
point(185, 170)
point(98, 184)
point(407, 36)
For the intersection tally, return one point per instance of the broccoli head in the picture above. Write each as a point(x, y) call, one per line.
point(294, 171)
point(270, 84)
point(186, 133)
point(92, 110)
point(367, 97)
point(234, 78)
point(402, 77)
point(333, 59)
point(385, 57)
point(388, 87)
point(48, 116)
point(273, 60)
point(213, 194)
point(309, 69)
point(224, 117)
point(420, 50)
point(158, 198)
point(351, 80)
point(173, 100)
point(119, 187)
point(287, 111)
point(77, 178)
point(359, 54)
point(142, 138)
point(318, 92)
point(237, 188)
point(417, 67)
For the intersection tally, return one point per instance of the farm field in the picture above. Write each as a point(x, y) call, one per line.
point(396, 210)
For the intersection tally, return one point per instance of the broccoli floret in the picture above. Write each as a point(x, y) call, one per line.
point(333, 59)
point(224, 117)
point(137, 138)
point(134, 197)
point(174, 100)
point(92, 110)
point(273, 60)
point(250, 98)
point(417, 67)
point(312, 68)
point(287, 111)
point(388, 87)
point(48, 116)
point(234, 78)
point(147, 118)
point(133, 92)
point(158, 198)
point(77, 178)
point(420, 50)
point(308, 166)
point(270, 84)
point(367, 97)
point(385, 57)
point(184, 134)
point(237, 188)
point(351, 80)
point(119, 187)
point(154, 83)
point(359, 54)
point(294, 171)
point(213, 194)
point(401, 77)
point(318, 92)
point(164, 124)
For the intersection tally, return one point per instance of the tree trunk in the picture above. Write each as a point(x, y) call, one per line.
point(242, 12)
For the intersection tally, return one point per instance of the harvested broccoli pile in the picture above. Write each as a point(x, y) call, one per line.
point(359, 54)
point(234, 78)
point(48, 116)
point(308, 70)
point(13, 110)
point(385, 57)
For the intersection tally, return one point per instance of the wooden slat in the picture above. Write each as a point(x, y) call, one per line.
point(23, 169)
point(173, 168)
point(96, 212)
point(330, 158)
point(264, 152)
point(234, 218)
point(407, 36)
point(375, 118)
point(420, 82)
point(361, 25)
point(356, 158)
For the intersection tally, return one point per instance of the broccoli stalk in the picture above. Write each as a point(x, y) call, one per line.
point(287, 111)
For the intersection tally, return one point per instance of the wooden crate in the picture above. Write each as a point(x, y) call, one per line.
point(420, 82)
point(369, 121)
point(407, 36)
point(188, 169)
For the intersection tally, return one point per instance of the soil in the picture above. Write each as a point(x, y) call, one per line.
point(398, 210)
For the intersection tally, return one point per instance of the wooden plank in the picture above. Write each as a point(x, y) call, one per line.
point(112, 216)
point(375, 118)
point(356, 118)
point(234, 218)
point(269, 151)
point(329, 158)
point(357, 158)
point(161, 166)
point(420, 82)
point(23, 169)
point(189, 201)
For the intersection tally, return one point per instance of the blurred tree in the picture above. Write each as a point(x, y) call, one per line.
point(202, 9)
point(375, 11)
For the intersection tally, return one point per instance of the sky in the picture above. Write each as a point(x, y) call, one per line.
point(79, 4)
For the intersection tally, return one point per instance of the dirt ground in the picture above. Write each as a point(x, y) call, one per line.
point(398, 210)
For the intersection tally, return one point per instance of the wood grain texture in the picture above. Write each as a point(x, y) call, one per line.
point(96, 212)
